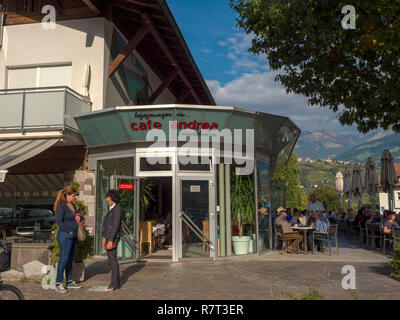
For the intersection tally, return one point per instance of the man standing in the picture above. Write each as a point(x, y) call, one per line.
point(314, 205)
point(287, 230)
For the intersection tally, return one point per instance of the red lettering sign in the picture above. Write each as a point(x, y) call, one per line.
point(195, 125)
point(124, 186)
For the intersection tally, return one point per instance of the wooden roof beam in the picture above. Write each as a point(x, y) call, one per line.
point(163, 86)
point(183, 96)
point(143, 3)
point(132, 45)
point(92, 6)
point(164, 46)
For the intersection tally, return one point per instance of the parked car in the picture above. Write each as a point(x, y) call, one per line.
point(33, 216)
point(6, 216)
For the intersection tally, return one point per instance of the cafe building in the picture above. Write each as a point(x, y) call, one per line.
point(112, 99)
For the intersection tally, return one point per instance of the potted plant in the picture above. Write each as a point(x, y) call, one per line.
point(243, 211)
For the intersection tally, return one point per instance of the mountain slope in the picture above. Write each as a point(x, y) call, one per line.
point(323, 144)
point(373, 149)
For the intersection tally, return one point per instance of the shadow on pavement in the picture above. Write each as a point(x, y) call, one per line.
point(96, 268)
point(383, 269)
point(131, 270)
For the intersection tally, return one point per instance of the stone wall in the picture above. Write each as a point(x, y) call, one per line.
point(22, 253)
point(86, 180)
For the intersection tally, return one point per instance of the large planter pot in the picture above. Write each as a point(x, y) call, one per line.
point(252, 244)
point(241, 244)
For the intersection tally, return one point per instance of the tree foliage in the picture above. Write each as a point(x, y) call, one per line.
point(290, 173)
point(352, 71)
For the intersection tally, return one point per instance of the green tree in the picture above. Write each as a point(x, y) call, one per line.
point(327, 195)
point(290, 173)
point(356, 71)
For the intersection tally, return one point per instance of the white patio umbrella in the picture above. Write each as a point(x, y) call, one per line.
point(356, 183)
point(388, 176)
point(347, 186)
point(371, 180)
point(339, 187)
point(85, 81)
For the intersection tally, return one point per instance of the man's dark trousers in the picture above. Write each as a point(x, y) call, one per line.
point(113, 263)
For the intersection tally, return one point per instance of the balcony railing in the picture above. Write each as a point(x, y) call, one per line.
point(41, 109)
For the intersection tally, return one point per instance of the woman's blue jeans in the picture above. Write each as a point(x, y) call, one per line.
point(67, 243)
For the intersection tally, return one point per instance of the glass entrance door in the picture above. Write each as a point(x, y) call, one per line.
point(128, 188)
point(196, 218)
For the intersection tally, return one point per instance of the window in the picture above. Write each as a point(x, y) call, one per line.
point(35, 77)
point(151, 164)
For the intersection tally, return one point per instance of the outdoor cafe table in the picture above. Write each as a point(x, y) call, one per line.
point(305, 230)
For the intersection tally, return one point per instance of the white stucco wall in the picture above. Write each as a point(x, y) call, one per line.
point(74, 42)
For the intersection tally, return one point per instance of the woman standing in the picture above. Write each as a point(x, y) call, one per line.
point(67, 220)
point(111, 235)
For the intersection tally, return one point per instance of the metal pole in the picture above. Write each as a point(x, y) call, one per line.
point(222, 228)
point(228, 209)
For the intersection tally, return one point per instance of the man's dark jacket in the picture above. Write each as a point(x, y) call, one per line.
point(112, 224)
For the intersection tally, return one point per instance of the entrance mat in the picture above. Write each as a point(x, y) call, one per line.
point(97, 289)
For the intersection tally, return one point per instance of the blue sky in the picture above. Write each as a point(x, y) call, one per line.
point(236, 77)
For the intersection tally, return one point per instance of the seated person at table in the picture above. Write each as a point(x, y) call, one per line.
point(385, 215)
point(390, 223)
point(287, 228)
point(361, 214)
point(322, 224)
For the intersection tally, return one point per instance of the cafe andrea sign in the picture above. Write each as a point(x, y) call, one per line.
point(149, 124)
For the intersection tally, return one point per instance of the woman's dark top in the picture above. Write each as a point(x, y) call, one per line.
point(65, 218)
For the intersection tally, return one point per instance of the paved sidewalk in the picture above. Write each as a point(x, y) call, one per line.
point(268, 276)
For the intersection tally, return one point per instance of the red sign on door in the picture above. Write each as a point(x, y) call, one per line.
point(123, 186)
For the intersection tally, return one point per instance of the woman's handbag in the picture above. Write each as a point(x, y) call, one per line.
point(81, 233)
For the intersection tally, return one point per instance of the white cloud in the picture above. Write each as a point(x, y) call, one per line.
point(206, 50)
point(259, 91)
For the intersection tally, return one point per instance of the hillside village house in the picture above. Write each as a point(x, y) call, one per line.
point(76, 103)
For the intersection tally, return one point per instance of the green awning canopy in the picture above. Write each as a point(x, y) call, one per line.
point(276, 134)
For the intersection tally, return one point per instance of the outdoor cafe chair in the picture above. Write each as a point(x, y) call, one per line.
point(373, 233)
point(387, 237)
point(332, 234)
point(42, 235)
point(283, 237)
point(363, 233)
point(341, 227)
point(396, 238)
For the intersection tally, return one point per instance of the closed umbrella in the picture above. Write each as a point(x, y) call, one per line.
point(339, 187)
point(85, 81)
point(371, 180)
point(388, 176)
point(347, 186)
point(356, 183)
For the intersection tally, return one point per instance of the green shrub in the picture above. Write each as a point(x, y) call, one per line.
point(395, 262)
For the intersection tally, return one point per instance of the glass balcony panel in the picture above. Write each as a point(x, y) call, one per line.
point(11, 110)
point(44, 109)
point(74, 107)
